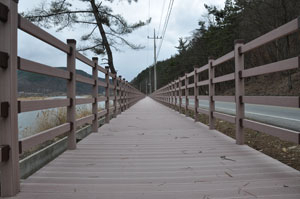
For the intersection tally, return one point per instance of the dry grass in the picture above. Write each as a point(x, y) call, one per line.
point(30, 98)
point(83, 111)
point(286, 152)
point(48, 119)
point(283, 151)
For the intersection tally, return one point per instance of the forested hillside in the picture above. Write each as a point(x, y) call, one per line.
point(239, 19)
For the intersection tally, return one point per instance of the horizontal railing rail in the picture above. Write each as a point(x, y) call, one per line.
point(177, 91)
point(122, 94)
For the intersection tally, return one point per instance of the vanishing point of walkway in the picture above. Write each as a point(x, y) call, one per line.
point(150, 152)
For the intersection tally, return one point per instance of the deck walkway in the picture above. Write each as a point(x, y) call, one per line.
point(151, 151)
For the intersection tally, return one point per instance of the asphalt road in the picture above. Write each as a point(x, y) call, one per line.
point(284, 117)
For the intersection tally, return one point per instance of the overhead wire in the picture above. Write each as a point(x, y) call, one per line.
point(171, 2)
point(161, 15)
point(148, 32)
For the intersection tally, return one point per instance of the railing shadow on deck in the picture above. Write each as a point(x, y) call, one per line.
point(124, 95)
point(177, 90)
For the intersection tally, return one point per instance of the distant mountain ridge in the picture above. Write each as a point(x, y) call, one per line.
point(46, 85)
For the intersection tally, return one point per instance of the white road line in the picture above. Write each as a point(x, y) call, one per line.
point(285, 118)
point(278, 117)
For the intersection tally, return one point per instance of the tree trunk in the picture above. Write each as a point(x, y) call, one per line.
point(103, 35)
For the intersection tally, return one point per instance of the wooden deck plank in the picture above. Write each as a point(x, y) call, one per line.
point(99, 188)
point(286, 193)
point(179, 173)
point(157, 169)
point(169, 179)
point(150, 151)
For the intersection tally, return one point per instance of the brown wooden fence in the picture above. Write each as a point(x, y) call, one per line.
point(172, 94)
point(123, 96)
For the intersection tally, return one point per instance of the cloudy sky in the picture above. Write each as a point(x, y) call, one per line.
point(184, 19)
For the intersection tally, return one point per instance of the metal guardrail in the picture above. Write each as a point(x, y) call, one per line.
point(124, 95)
point(173, 91)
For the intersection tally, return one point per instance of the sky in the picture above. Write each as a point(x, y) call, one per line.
point(128, 63)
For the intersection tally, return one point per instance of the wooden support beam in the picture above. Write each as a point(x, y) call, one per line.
point(107, 94)
point(115, 95)
point(10, 182)
point(196, 93)
point(120, 93)
point(125, 94)
point(180, 95)
point(71, 93)
point(171, 94)
point(175, 94)
point(95, 124)
point(186, 92)
point(211, 88)
point(239, 92)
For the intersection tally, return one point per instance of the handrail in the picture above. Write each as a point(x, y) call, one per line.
point(35, 67)
point(172, 91)
point(124, 95)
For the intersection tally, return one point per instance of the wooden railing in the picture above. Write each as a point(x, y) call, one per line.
point(172, 94)
point(123, 96)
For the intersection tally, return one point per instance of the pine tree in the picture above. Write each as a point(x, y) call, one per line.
point(111, 27)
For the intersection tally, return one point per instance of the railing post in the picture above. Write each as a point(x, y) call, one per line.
point(71, 93)
point(196, 93)
point(186, 92)
point(10, 182)
point(172, 94)
point(129, 95)
point(175, 93)
point(115, 95)
point(95, 124)
point(239, 91)
point(165, 94)
point(180, 95)
point(168, 95)
point(121, 93)
point(107, 95)
point(125, 94)
point(211, 73)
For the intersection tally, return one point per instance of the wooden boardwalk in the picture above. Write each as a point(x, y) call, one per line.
point(151, 151)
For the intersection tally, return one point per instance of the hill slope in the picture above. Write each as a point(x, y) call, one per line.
point(239, 19)
point(37, 84)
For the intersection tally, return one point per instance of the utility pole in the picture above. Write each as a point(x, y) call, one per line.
point(155, 77)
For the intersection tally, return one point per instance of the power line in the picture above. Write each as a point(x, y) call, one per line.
point(165, 25)
point(161, 15)
point(171, 2)
point(148, 32)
